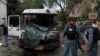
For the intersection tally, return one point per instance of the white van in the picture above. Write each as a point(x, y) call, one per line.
point(14, 26)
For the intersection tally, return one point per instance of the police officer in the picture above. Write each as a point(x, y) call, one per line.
point(92, 36)
point(5, 33)
point(71, 31)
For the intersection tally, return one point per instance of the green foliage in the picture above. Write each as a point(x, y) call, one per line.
point(64, 13)
point(92, 0)
point(88, 9)
point(32, 4)
point(12, 6)
point(98, 7)
point(59, 17)
point(16, 7)
point(85, 16)
point(76, 1)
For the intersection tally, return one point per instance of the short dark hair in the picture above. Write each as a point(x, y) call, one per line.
point(71, 19)
point(2, 25)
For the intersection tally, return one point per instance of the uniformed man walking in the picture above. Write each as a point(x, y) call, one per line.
point(92, 37)
point(72, 31)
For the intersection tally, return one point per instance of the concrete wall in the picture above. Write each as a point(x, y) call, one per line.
point(3, 11)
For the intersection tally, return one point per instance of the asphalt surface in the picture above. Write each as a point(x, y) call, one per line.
point(59, 52)
point(14, 50)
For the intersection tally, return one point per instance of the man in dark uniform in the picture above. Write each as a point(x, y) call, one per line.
point(71, 30)
point(5, 33)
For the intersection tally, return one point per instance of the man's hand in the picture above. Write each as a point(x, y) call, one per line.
point(61, 40)
point(80, 42)
point(88, 49)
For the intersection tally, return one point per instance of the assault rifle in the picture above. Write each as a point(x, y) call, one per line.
point(79, 45)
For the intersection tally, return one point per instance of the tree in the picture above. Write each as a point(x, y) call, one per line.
point(66, 8)
point(16, 6)
point(97, 8)
point(12, 6)
point(30, 4)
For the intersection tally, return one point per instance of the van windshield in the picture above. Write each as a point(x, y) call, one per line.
point(14, 21)
point(41, 19)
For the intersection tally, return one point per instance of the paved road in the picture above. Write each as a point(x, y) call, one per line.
point(16, 51)
point(59, 52)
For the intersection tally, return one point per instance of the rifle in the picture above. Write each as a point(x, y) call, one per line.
point(79, 45)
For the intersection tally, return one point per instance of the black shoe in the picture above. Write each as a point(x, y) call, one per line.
point(5, 46)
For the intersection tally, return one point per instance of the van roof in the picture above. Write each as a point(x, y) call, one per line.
point(39, 11)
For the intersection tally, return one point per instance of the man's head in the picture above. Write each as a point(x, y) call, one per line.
point(87, 25)
point(95, 24)
point(71, 21)
point(2, 25)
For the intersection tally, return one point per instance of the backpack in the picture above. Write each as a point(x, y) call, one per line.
point(71, 32)
point(95, 35)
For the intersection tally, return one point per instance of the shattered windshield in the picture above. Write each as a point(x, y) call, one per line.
point(44, 20)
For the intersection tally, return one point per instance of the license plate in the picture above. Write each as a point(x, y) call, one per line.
point(39, 47)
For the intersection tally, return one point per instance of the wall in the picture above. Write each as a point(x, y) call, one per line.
point(3, 11)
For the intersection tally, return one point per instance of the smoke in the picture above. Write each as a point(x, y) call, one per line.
point(55, 5)
point(21, 1)
point(46, 4)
